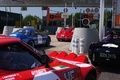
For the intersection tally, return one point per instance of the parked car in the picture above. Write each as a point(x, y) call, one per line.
point(65, 34)
point(20, 61)
point(105, 52)
point(31, 36)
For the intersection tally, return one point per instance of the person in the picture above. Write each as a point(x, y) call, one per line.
point(108, 38)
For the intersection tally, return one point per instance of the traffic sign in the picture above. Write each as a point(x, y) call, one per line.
point(55, 17)
point(88, 10)
point(85, 21)
point(64, 15)
point(65, 10)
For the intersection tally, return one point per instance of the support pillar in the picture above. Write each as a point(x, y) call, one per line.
point(101, 20)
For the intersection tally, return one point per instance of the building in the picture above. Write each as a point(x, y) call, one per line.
point(9, 19)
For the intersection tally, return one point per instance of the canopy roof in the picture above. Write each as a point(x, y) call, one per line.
point(53, 3)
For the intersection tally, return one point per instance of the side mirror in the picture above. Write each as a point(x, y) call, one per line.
point(45, 60)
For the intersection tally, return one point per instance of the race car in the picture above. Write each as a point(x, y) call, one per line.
point(65, 34)
point(31, 36)
point(104, 53)
point(20, 61)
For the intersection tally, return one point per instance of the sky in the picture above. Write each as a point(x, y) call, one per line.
point(38, 11)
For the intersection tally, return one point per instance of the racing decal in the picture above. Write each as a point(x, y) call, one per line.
point(60, 67)
point(42, 74)
point(69, 75)
point(75, 63)
point(10, 77)
point(46, 76)
point(39, 71)
point(35, 72)
point(110, 45)
point(39, 37)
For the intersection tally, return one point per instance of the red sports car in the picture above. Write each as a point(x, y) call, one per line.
point(65, 34)
point(19, 61)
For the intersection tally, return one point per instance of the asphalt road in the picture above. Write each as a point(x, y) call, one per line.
point(57, 46)
point(108, 72)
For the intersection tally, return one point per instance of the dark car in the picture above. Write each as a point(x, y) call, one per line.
point(31, 36)
point(19, 61)
point(104, 53)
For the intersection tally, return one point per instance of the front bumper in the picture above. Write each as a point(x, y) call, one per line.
point(64, 38)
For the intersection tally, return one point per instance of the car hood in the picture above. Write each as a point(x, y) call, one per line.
point(56, 66)
point(16, 35)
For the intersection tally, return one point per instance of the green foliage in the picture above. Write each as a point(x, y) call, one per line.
point(29, 18)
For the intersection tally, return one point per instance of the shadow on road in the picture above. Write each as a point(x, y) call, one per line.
point(44, 47)
point(110, 68)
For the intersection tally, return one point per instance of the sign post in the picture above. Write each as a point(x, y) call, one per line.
point(65, 14)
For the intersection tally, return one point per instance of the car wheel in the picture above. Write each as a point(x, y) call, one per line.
point(31, 43)
point(59, 40)
point(94, 63)
point(47, 43)
point(90, 77)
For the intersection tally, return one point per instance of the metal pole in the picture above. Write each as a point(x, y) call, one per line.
point(6, 16)
point(20, 19)
point(80, 17)
point(101, 20)
point(106, 18)
point(65, 18)
point(10, 9)
point(72, 13)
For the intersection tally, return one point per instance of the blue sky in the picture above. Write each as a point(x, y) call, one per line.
point(37, 10)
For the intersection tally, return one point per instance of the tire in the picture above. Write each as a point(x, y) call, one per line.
point(31, 43)
point(58, 39)
point(90, 77)
point(47, 43)
point(94, 63)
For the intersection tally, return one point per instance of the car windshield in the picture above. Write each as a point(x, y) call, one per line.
point(18, 31)
point(16, 57)
point(66, 28)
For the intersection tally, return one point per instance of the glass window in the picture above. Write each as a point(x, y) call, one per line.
point(26, 32)
point(16, 57)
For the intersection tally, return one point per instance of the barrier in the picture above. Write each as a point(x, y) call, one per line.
point(81, 45)
point(89, 35)
point(75, 45)
point(15, 29)
point(7, 30)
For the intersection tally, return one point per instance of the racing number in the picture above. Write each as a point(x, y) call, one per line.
point(39, 39)
point(69, 75)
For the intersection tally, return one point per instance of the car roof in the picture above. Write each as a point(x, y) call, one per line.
point(6, 39)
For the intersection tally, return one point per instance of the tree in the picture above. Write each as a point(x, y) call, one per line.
point(29, 18)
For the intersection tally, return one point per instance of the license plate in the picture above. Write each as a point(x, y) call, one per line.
point(106, 55)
